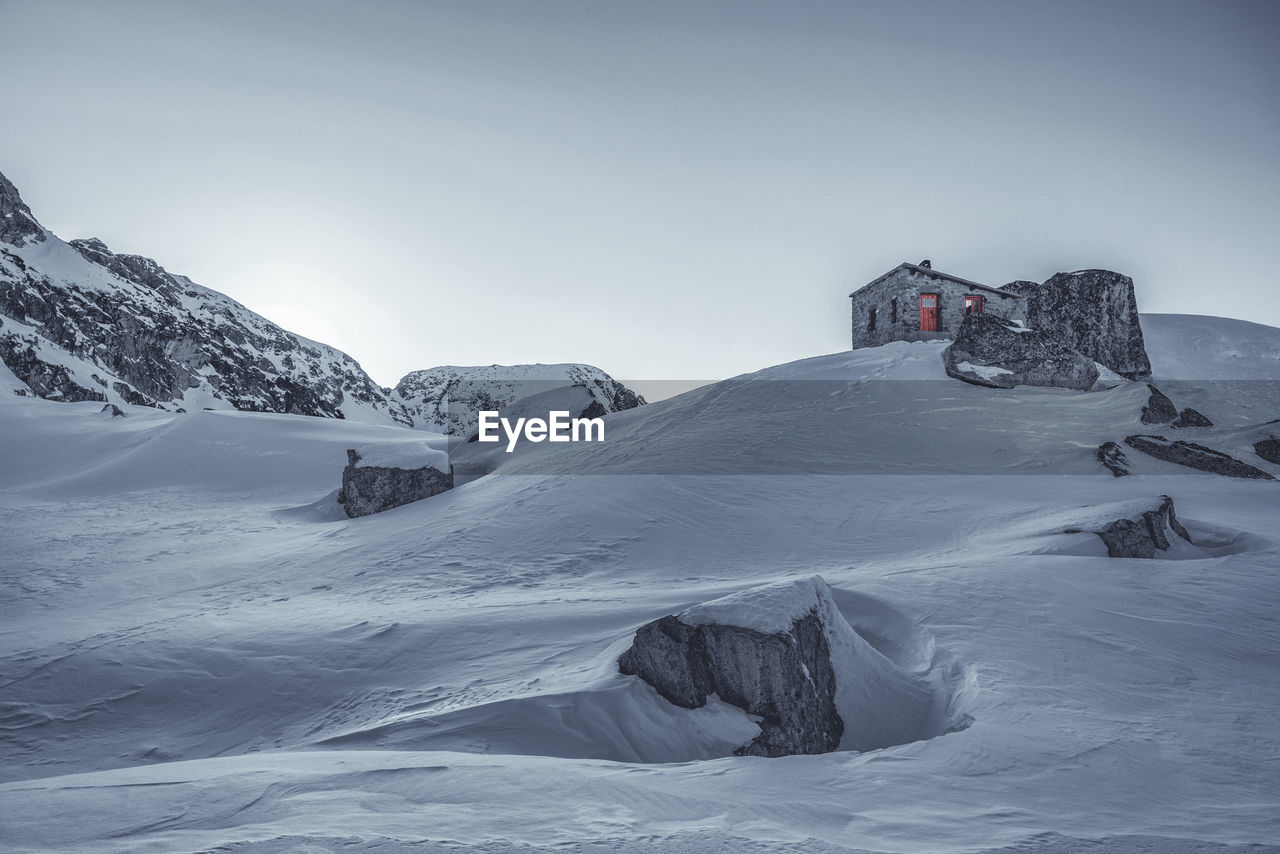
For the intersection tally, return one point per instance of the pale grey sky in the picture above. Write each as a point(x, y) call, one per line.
point(664, 189)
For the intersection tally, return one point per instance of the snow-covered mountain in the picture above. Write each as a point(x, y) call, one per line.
point(199, 651)
point(79, 322)
point(447, 398)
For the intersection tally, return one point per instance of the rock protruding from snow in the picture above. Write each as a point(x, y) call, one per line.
point(17, 225)
point(1143, 528)
point(1092, 311)
point(392, 475)
point(1159, 408)
point(1112, 456)
point(1194, 456)
point(784, 653)
point(989, 351)
point(1268, 449)
point(1189, 417)
point(448, 398)
point(112, 410)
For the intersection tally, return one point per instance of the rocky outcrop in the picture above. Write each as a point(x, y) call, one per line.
point(784, 654)
point(1141, 531)
point(17, 226)
point(112, 410)
point(1268, 449)
point(392, 476)
point(448, 398)
point(45, 379)
point(990, 351)
point(790, 684)
point(1189, 417)
point(1159, 408)
point(1091, 311)
point(95, 320)
point(1194, 456)
point(1112, 456)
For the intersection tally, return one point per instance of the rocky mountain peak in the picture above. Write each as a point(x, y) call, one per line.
point(133, 268)
point(80, 322)
point(17, 224)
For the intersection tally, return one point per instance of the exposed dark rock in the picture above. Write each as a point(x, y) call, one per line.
point(1268, 449)
point(1094, 312)
point(1112, 456)
point(131, 396)
point(372, 489)
point(1194, 456)
point(989, 351)
point(116, 412)
point(1191, 418)
point(1159, 408)
point(17, 226)
point(783, 653)
point(785, 678)
point(45, 379)
point(1142, 532)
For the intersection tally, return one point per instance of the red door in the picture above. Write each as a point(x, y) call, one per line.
point(928, 312)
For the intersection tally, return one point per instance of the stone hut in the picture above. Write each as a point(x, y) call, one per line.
point(914, 302)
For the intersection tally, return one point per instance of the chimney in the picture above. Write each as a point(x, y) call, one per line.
point(926, 263)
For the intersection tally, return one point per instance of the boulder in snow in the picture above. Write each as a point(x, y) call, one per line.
point(1144, 528)
point(379, 477)
point(1194, 456)
point(782, 652)
point(1092, 311)
point(990, 351)
point(1159, 408)
point(1268, 449)
point(1112, 456)
point(1189, 417)
point(113, 410)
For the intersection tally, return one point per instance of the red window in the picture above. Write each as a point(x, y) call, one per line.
point(973, 305)
point(928, 312)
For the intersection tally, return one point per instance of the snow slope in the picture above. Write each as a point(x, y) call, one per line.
point(197, 654)
point(1191, 347)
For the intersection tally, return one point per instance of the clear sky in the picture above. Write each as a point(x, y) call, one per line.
point(681, 190)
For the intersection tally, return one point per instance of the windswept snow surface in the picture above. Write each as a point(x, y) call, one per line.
point(405, 454)
point(197, 654)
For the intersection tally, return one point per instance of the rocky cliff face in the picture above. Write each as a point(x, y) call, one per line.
point(17, 225)
point(79, 322)
point(447, 398)
point(1092, 311)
